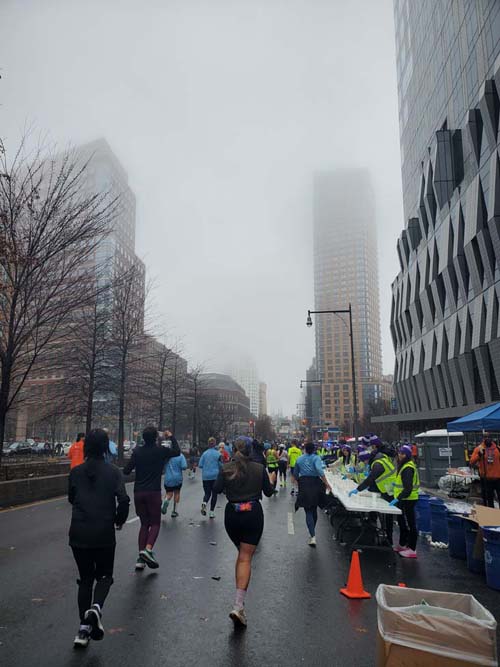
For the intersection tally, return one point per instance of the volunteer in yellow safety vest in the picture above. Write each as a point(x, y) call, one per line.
point(381, 479)
point(362, 467)
point(406, 489)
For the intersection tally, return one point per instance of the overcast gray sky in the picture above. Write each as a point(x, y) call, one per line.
point(220, 111)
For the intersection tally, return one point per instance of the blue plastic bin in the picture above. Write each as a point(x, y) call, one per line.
point(423, 513)
point(439, 521)
point(473, 564)
point(456, 533)
point(491, 539)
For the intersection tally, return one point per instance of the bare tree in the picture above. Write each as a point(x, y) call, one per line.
point(127, 353)
point(50, 228)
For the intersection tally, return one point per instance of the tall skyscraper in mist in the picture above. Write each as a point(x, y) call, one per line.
point(445, 306)
point(244, 372)
point(346, 271)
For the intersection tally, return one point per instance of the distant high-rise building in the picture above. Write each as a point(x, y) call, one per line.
point(115, 255)
point(313, 397)
point(346, 271)
point(262, 399)
point(244, 372)
point(445, 305)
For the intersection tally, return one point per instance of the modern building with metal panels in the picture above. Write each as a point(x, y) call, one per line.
point(445, 320)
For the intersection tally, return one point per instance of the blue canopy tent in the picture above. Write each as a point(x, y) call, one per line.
point(485, 419)
point(479, 421)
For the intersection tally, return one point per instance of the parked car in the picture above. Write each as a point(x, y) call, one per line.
point(41, 449)
point(18, 449)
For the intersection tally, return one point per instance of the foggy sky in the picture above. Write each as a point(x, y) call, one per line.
point(220, 111)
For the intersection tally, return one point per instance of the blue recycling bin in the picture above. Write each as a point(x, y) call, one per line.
point(491, 539)
point(423, 513)
point(456, 534)
point(439, 520)
point(473, 564)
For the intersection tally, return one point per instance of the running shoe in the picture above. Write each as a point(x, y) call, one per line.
point(140, 564)
point(292, 492)
point(398, 548)
point(408, 553)
point(312, 542)
point(149, 558)
point(82, 638)
point(93, 618)
point(164, 506)
point(239, 618)
point(174, 515)
point(204, 509)
point(211, 514)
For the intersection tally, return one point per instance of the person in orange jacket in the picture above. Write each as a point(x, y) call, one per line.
point(75, 452)
point(487, 459)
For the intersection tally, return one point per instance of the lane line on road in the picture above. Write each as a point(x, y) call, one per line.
point(291, 527)
point(136, 518)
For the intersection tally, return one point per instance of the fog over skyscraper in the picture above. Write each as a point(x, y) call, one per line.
point(346, 271)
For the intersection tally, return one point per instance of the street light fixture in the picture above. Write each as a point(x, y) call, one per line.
point(319, 381)
point(343, 311)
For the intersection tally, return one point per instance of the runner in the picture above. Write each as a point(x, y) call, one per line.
point(272, 463)
point(100, 502)
point(224, 454)
point(173, 482)
point(293, 454)
point(75, 452)
point(210, 464)
point(243, 481)
point(282, 465)
point(309, 473)
point(148, 462)
point(194, 456)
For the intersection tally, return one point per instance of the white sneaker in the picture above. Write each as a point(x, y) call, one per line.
point(312, 542)
point(239, 618)
point(211, 515)
point(82, 638)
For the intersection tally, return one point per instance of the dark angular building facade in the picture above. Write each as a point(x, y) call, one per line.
point(445, 320)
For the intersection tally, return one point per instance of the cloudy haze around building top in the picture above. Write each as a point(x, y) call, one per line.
point(221, 113)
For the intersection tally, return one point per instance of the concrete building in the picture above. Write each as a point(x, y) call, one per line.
point(313, 398)
point(228, 406)
point(346, 271)
point(445, 298)
point(262, 399)
point(115, 255)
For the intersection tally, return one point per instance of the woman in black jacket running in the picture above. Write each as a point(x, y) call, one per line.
point(97, 492)
point(243, 482)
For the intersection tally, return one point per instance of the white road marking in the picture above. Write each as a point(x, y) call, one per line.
point(136, 518)
point(291, 528)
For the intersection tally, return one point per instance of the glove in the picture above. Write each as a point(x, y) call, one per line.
point(393, 502)
point(350, 469)
point(344, 476)
point(353, 492)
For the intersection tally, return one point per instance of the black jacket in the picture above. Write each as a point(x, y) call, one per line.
point(97, 492)
point(148, 462)
point(251, 487)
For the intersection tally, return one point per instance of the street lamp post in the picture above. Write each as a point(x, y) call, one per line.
point(343, 311)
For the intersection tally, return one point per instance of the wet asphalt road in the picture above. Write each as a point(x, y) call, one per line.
point(178, 615)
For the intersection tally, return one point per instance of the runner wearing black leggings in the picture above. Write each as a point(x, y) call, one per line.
point(243, 482)
point(97, 492)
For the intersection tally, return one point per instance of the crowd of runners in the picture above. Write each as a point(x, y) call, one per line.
point(242, 471)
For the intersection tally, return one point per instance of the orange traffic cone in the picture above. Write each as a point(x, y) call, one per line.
point(354, 588)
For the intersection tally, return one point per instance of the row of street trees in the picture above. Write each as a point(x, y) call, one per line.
point(75, 338)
